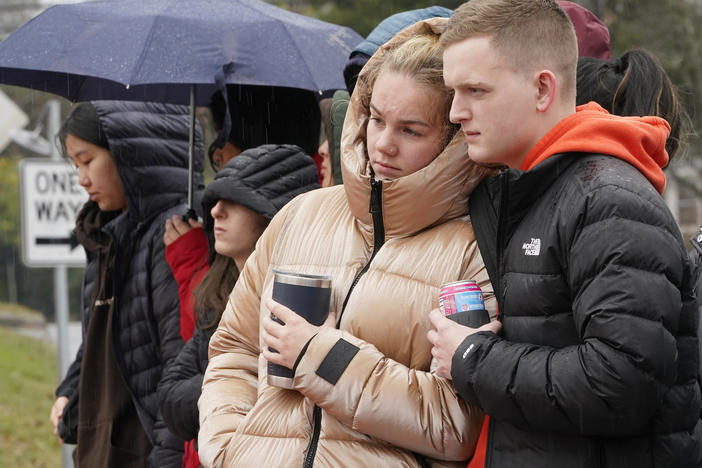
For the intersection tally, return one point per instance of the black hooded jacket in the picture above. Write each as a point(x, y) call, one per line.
point(149, 144)
point(597, 363)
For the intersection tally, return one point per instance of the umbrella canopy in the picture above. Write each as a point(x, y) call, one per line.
point(177, 51)
point(154, 50)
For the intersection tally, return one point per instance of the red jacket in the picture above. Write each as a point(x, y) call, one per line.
point(187, 257)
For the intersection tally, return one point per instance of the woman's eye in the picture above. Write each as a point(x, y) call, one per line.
point(411, 132)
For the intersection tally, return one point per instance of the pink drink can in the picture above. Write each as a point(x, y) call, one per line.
point(462, 301)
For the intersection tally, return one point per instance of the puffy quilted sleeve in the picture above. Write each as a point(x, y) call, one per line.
point(413, 409)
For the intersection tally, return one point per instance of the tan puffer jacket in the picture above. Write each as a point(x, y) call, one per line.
point(386, 404)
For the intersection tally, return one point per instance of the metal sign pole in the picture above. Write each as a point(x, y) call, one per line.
point(60, 271)
point(60, 275)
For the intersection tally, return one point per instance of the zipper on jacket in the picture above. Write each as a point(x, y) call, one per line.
point(501, 217)
point(500, 283)
point(376, 209)
point(316, 428)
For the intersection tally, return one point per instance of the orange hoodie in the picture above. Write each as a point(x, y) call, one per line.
point(639, 141)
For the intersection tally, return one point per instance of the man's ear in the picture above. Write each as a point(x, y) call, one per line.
point(547, 86)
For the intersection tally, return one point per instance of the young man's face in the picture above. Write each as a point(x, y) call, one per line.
point(495, 106)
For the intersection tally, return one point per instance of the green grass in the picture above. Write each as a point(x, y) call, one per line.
point(17, 309)
point(28, 377)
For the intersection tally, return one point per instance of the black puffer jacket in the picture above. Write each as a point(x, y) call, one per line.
point(598, 360)
point(696, 257)
point(149, 144)
point(180, 387)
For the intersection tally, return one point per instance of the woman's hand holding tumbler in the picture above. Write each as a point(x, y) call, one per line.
point(288, 339)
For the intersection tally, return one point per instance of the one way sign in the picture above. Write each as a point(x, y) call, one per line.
point(51, 199)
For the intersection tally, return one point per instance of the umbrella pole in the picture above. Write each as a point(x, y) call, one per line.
point(191, 150)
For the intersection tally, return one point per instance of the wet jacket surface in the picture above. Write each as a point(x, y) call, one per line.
point(383, 406)
point(696, 257)
point(180, 386)
point(597, 362)
point(149, 145)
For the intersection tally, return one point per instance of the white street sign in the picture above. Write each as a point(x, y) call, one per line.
point(51, 199)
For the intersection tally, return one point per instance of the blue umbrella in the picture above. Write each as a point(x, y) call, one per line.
point(177, 51)
point(130, 49)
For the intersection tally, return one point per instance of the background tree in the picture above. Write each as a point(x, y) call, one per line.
point(669, 29)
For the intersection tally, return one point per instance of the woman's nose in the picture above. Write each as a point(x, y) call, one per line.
point(83, 178)
point(217, 211)
point(386, 143)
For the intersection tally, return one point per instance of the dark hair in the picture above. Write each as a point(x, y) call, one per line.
point(212, 293)
point(634, 84)
point(269, 114)
point(82, 122)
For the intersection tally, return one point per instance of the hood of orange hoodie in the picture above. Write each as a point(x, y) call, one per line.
point(640, 141)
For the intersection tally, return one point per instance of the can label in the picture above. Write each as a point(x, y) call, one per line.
point(460, 296)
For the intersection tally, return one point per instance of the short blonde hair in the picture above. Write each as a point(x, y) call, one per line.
point(421, 59)
point(529, 34)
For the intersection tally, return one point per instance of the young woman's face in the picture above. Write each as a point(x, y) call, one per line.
point(405, 133)
point(236, 229)
point(97, 173)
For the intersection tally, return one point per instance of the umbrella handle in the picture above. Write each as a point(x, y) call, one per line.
point(190, 214)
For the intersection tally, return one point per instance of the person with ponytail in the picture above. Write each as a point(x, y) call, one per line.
point(634, 84)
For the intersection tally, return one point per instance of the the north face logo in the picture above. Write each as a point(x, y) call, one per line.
point(533, 247)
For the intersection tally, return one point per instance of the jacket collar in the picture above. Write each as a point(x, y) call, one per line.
point(515, 191)
point(430, 196)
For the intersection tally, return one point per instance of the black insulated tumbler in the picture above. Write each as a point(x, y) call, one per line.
point(306, 295)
